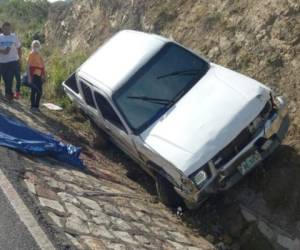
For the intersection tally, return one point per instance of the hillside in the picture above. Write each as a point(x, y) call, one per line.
point(26, 17)
point(258, 38)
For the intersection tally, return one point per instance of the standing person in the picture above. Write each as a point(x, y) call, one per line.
point(0, 53)
point(17, 75)
point(36, 74)
point(10, 54)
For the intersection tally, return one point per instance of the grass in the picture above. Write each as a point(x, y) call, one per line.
point(59, 66)
point(27, 18)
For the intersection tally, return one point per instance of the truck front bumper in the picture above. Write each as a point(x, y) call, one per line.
point(263, 145)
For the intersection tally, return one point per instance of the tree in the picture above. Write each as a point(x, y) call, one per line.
point(27, 17)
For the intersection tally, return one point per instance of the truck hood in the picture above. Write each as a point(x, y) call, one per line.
point(206, 119)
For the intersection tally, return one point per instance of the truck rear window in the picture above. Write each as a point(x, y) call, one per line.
point(107, 111)
point(87, 94)
point(71, 82)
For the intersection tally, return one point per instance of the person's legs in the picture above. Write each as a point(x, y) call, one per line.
point(39, 92)
point(7, 74)
point(32, 97)
point(1, 78)
point(37, 82)
point(33, 92)
point(16, 67)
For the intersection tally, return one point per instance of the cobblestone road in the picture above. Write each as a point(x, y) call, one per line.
point(98, 209)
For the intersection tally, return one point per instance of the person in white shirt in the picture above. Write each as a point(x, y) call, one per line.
point(0, 68)
point(10, 55)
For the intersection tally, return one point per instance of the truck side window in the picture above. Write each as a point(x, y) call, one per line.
point(72, 83)
point(107, 111)
point(87, 94)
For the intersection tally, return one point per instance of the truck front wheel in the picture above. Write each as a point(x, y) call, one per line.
point(166, 193)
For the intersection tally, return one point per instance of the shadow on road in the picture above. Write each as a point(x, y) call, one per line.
point(276, 182)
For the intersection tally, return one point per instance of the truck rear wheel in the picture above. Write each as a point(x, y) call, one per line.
point(166, 193)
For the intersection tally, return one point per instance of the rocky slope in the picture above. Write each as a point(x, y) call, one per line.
point(258, 38)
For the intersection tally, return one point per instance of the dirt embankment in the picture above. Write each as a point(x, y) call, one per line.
point(258, 38)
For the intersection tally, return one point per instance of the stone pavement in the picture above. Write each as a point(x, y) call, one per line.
point(98, 209)
point(98, 214)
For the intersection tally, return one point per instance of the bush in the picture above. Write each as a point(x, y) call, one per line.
point(27, 17)
point(26, 12)
point(31, 35)
point(59, 66)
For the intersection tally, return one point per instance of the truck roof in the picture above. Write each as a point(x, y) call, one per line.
point(119, 58)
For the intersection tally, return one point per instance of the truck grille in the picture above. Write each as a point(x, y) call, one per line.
point(233, 148)
point(243, 139)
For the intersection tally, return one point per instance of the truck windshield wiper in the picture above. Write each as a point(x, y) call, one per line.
point(152, 100)
point(181, 72)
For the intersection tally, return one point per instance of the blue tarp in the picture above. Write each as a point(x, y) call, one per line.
point(17, 135)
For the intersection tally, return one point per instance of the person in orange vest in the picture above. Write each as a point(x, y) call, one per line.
point(36, 74)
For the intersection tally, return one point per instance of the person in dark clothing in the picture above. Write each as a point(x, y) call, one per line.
point(36, 74)
point(17, 75)
point(36, 92)
point(0, 64)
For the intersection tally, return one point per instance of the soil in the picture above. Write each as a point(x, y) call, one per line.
point(219, 218)
point(258, 38)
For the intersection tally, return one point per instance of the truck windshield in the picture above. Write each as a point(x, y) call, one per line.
point(158, 85)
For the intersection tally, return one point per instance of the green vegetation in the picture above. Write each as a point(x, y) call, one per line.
point(28, 18)
point(59, 66)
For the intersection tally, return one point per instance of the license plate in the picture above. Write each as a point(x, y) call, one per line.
point(249, 163)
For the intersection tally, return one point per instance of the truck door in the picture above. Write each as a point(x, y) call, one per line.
point(90, 108)
point(114, 126)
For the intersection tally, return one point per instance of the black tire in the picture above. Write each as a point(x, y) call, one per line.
point(166, 193)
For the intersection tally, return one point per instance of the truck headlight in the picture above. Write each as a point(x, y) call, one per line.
point(282, 106)
point(201, 176)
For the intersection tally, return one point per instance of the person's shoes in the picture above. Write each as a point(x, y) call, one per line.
point(9, 98)
point(17, 95)
point(34, 109)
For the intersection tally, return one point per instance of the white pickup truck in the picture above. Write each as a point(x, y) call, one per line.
point(196, 127)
